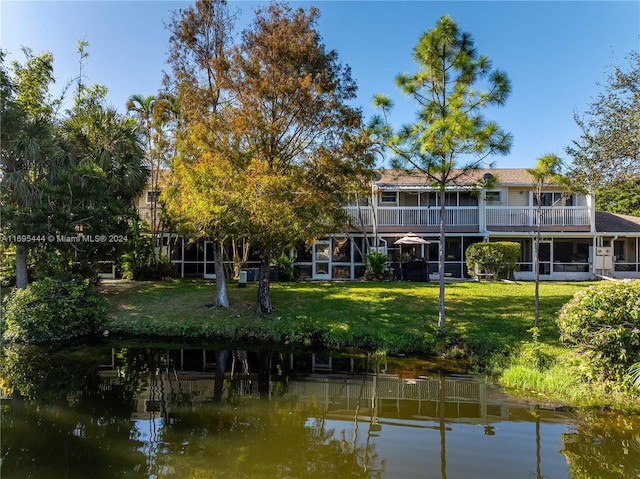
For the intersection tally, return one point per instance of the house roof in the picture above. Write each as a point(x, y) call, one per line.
point(614, 223)
point(503, 176)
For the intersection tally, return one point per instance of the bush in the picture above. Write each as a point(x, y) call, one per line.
point(377, 269)
point(498, 258)
point(603, 322)
point(139, 264)
point(285, 267)
point(53, 310)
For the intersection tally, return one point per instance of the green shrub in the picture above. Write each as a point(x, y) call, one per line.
point(603, 322)
point(139, 261)
point(139, 265)
point(377, 269)
point(7, 264)
point(53, 310)
point(498, 258)
point(285, 267)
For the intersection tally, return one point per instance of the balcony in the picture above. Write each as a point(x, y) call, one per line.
point(496, 216)
point(526, 216)
point(414, 216)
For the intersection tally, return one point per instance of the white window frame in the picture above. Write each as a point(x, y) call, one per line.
point(388, 194)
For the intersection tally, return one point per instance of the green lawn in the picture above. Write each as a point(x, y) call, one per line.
point(396, 317)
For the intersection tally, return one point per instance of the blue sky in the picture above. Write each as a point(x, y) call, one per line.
point(555, 53)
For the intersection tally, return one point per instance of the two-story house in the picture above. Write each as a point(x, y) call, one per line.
point(577, 242)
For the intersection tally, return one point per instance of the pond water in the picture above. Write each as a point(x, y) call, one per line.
point(110, 411)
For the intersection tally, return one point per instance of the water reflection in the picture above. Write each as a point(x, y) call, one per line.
point(197, 412)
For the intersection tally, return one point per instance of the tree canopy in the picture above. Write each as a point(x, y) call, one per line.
point(64, 175)
point(272, 151)
point(201, 42)
point(608, 150)
point(621, 197)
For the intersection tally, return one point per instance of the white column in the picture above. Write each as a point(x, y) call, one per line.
point(591, 206)
point(482, 211)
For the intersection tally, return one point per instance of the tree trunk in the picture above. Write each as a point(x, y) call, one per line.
point(442, 397)
point(22, 276)
point(154, 212)
point(222, 301)
point(441, 257)
point(221, 364)
point(264, 374)
point(536, 265)
point(264, 294)
point(239, 257)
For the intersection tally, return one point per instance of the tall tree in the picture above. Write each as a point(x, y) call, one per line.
point(295, 126)
point(622, 197)
point(450, 136)
point(108, 172)
point(201, 40)
point(143, 107)
point(31, 158)
point(608, 150)
point(65, 176)
point(546, 172)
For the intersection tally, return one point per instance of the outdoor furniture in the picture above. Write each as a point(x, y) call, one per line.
point(412, 239)
point(416, 271)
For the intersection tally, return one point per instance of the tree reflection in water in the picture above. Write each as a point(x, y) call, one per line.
point(603, 446)
point(58, 419)
point(159, 413)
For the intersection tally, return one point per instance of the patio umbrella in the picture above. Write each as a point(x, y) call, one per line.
point(409, 239)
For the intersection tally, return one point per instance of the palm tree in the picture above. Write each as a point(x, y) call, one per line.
point(634, 374)
point(109, 172)
point(144, 108)
point(31, 158)
point(547, 171)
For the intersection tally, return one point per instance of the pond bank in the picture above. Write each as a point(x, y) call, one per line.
point(488, 323)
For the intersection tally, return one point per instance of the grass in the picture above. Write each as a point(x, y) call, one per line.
point(488, 323)
point(482, 318)
point(561, 380)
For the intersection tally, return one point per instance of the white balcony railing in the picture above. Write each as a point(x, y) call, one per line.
point(469, 216)
point(414, 216)
point(526, 216)
point(421, 216)
point(360, 215)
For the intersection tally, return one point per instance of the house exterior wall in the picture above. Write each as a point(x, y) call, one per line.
point(518, 196)
point(401, 204)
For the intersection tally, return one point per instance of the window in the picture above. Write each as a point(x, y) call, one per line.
point(153, 196)
point(467, 199)
point(494, 196)
point(341, 250)
point(453, 249)
point(303, 253)
point(555, 199)
point(549, 199)
point(618, 250)
point(389, 197)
